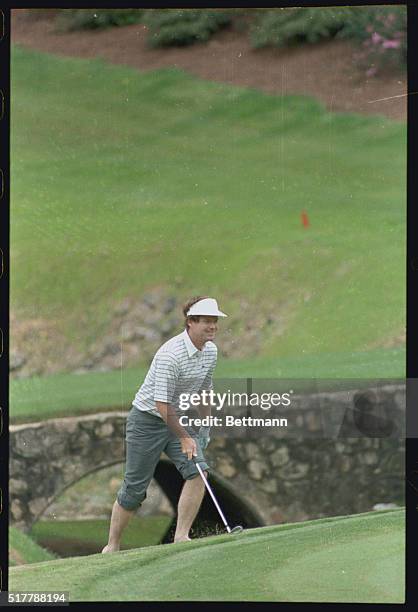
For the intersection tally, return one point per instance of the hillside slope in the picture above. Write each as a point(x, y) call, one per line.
point(23, 550)
point(123, 182)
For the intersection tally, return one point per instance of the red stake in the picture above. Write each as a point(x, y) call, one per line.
point(304, 218)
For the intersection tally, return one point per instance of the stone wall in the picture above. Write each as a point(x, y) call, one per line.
point(308, 472)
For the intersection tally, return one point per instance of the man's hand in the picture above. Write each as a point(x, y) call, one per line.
point(203, 437)
point(188, 446)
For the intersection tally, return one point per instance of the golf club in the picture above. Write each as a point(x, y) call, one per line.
point(234, 530)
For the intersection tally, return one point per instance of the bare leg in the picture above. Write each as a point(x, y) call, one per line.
point(188, 506)
point(120, 518)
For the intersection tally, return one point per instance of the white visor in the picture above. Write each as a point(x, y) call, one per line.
point(208, 307)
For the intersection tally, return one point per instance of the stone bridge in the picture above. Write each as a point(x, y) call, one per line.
point(341, 453)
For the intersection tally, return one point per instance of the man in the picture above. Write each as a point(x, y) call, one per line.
point(183, 364)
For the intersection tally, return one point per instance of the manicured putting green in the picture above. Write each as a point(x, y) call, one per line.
point(357, 558)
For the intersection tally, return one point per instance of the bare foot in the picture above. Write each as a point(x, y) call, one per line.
point(182, 539)
point(109, 549)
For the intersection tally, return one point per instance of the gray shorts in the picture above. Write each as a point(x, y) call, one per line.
point(147, 436)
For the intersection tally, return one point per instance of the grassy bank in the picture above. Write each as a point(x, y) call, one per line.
point(23, 549)
point(60, 395)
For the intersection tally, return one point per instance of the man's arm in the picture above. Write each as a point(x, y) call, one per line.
point(188, 445)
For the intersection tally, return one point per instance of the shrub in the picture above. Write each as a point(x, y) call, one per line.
point(89, 19)
point(288, 26)
point(381, 32)
point(183, 27)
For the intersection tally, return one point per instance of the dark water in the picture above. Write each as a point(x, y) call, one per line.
point(69, 548)
point(64, 547)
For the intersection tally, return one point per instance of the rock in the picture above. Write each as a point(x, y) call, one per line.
point(129, 332)
point(345, 463)
point(225, 467)
point(69, 426)
point(16, 467)
point(36, 506)
point(256, 469)
point(280, 457)
point(339, 447)
point(54, 445)
point(17, 361)
point(17, 487)
point(269, 486)
point(370, 457)
point(241, 451)
point(216, 443)
point(88, 426)
point(294, 471)
point(152, 335)
point(313, 421)
point(112, 348)
point(27, 445)
point(151, 300)
point(269, 445)
point(253, 451)
point(123, 307)
point(104, 430)
point(169, 305)
point(81, 441)
point(96, 357)
point(16, 510)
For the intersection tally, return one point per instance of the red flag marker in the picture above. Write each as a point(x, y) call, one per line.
point(304, 218)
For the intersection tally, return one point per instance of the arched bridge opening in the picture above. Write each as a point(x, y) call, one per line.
point(236, 509)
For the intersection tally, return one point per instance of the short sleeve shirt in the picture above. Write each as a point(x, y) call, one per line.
point(178, 367)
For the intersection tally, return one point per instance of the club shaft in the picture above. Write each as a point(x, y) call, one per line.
point(207, 485)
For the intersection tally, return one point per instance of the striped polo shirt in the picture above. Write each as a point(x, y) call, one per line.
point(178, 367)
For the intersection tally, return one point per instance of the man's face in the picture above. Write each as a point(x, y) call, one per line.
point(205, 329)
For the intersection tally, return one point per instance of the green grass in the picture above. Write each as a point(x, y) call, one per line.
point(22, 549)
point(141, 531)
point(122, 181)
point(37, 398)
point(358, 558)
